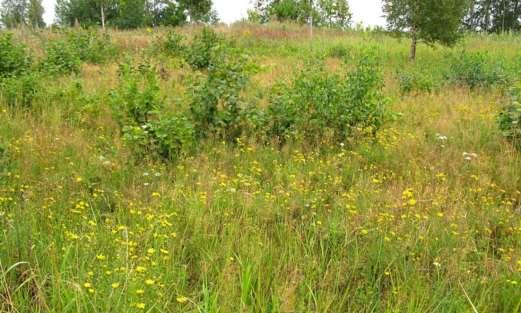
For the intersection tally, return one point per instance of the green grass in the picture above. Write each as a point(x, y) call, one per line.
point(401, 223)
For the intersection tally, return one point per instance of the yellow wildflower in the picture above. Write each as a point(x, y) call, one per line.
point(182, 299)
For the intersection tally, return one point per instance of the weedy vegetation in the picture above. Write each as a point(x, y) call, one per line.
point(256, 169)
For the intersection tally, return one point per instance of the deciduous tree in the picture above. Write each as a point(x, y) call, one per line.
point(332, 13)
point(21, 12)
point(430, 21)
point(494, 15)
point(14, 13)
point(35, 14)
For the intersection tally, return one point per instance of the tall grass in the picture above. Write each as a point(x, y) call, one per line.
point(422, 217)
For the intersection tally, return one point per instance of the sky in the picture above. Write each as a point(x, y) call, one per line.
point(368, 12)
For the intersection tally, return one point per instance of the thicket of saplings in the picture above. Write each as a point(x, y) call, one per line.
point(314, 106)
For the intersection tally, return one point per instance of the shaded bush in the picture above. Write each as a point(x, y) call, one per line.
point(19, 91)
point(200, 52)
point(415, 81)
point(61, 58)
point(217, 103)
point(167, 138)
point(137, 106)
point(14, 58)
point(173, 44)
point(510, 119)
point(476, 69)
point(339, 51)
point(137, 96)
point(5, 161)
point(318, 105)
point(91, 46)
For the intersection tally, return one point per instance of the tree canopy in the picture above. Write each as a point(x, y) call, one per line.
point(332, 13)
point(134, 13)
point(494, 15)
point(429, 21)
point(21, 12)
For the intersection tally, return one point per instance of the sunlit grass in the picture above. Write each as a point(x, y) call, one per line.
point(425, 218)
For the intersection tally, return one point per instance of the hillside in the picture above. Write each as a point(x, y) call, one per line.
point(257, 169)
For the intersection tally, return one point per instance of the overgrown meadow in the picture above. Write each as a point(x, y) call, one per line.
point(257, 169)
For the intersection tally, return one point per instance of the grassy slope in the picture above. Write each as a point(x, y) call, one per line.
point(404, 225)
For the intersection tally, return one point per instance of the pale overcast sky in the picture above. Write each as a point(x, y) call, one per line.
point(369, 12)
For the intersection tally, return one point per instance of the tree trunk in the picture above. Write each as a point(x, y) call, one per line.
point(102, 18)
point(311, 27)
point(414, 43)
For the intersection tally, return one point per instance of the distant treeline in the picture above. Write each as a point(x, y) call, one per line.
point(480, 15)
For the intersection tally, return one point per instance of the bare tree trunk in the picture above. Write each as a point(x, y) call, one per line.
point(311, 19)
point(102, 18)
point(414, 43)
point(487, 17)
point(311, 27)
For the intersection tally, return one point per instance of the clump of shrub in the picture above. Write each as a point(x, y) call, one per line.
point(137, 97)
point(137, 106)
point(201, 51)
point(318, 105)
point(20, 91)
point(173, 44)
point(61, 58)
point(510, 119)
point(167, 138)
point(92, 47)
point(18, 85)
point(14, 58)
point(4, 161)
point(79, 108)
point(339, 51)
point(217, 102)
point(477, 69)
point(415, 81)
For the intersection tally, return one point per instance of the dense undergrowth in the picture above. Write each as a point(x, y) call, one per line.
point(252, 169)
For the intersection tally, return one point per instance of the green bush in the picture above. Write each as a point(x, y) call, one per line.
point(200, 52)
point(137, 96)
point(79, 108)
point(92, 47)
point(166, 139)
point(414, 81)
point(318, 105)
point(19, 91)
point(173, 44)
point(14, 59)
point(5, 161)
point(510, 119)
point(476, 69)
point(137, 107)
point(61, 58)
point(217, 100)
point(339, 51)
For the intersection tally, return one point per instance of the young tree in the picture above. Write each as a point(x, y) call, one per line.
point(429, 21)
